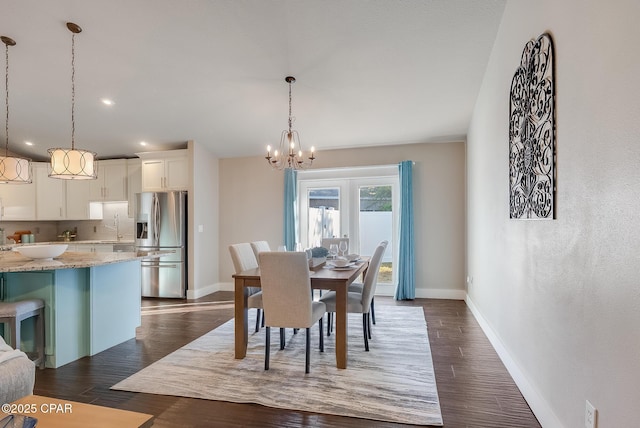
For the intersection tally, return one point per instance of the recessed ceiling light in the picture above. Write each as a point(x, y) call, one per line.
point(107, 102)
point(28, 143)
point(143, 143)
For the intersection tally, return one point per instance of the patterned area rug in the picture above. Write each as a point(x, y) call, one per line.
point(393, 382)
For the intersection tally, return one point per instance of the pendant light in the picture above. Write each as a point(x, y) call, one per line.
point(13, 170)
point(73, 164)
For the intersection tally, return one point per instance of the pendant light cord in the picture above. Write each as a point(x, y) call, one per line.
point(73, 90)
point(6, 100)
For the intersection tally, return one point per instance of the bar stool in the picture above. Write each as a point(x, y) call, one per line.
point(13, 313)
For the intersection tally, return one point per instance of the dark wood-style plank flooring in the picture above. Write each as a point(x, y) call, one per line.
point(475, 389)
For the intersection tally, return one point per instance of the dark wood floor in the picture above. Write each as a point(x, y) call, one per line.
point(475, 389)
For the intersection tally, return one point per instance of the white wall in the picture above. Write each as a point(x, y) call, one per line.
point(203, 203)
point(251, 207)
point(561, 298)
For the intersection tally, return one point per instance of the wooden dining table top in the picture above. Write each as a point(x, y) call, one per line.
point(321, 272)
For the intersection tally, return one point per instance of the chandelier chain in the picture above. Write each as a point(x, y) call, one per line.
point(290, 119)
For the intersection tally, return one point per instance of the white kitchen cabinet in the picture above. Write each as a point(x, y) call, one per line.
point(165, 170)
point(78, 198)
point(111, 184)
point(134, 183)
point(18, 201)
point(50, 194)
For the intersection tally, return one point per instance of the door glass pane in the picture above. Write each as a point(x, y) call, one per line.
point(376, 225)
point(323, 215)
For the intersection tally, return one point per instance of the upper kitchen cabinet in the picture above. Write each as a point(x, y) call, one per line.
point(165, 170)
point(134, 183)
point(111, 184)
point(50, 194)
point(78, 200)
point(18, 201)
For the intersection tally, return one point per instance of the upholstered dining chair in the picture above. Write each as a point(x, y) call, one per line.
point(244, 259)
point(357, 287)
point(286, 298)
point(359, 302)
point(259, 246)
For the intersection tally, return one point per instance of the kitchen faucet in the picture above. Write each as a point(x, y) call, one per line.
point(116, 226)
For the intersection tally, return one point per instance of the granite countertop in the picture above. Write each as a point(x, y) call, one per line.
point(87, 241)
point(12, 261)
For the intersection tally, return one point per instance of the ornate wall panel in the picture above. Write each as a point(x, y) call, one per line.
point(532, 133)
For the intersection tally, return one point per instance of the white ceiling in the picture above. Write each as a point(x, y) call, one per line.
point(369, 72)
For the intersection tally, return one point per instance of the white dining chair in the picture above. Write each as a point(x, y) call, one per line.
point(286, 298)
point(244, 259)
point(359, 302)
point(259, 246)
point(357, 287)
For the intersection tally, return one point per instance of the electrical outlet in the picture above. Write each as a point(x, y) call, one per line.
point(590, 415)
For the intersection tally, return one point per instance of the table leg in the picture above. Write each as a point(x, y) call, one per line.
point(341, 327)
point(241, 318)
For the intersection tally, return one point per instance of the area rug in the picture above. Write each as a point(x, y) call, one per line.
point(393, 382)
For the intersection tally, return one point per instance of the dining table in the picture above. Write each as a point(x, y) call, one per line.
point(323, 277)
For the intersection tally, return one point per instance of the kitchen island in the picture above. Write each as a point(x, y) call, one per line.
point(92, 300)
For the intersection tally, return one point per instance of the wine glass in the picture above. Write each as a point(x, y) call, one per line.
point(333, 250)
point(343, 248)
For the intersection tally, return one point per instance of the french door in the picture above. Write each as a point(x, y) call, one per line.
point(364, 209)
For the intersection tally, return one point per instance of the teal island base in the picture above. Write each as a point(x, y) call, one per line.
point(87, 309)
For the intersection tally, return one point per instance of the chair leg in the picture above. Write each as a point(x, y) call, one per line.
point(40, 342)
point(365, 333)
point(308, 351)
point(329, 321)
point(332, 320)
point(258, 320)
point(321, 335)
point(267, 343)
point(15, 333)
point(373, 312)
point(369, 324)
point(262, 318)
point(282, 340)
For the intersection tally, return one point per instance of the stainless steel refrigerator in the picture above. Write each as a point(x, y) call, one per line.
point(161, 224)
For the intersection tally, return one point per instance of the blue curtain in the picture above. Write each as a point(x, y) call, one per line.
point(290, 193)
point(406, 289)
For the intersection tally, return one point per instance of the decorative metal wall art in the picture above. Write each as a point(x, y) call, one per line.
point(532, 133)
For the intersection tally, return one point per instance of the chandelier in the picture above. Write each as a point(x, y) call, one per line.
point(13, 170)
point(289, 153)
point(73, 164)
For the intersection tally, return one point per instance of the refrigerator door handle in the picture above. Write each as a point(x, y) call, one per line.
point(156, 219)
point(159, 266)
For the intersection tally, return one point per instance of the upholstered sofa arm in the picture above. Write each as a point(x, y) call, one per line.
point(17, 374)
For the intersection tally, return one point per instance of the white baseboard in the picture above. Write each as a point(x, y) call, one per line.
point(424, 293)
point(536, 401)
point(385, 290)
point(204, 291)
